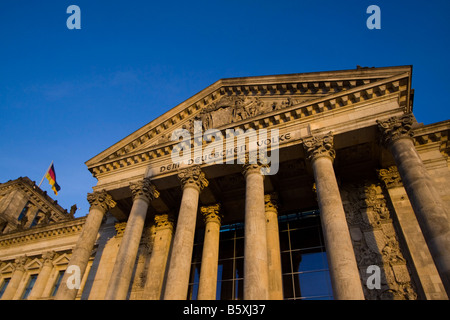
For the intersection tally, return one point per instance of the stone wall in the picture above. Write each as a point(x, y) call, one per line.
point(376, 241)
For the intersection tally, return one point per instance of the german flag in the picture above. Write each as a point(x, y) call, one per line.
point(51, 177)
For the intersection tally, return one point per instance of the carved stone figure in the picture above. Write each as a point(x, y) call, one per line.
point(375, 241)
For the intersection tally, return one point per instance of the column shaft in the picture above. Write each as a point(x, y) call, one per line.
point(15, 279)
point(119, 282)
point(256, 279)
point(427, 204)
point(210, 254)
point(43, 277)
point(143, 192)
point(100, 203)
point(183, 243)
point(193, 181)
point(273, 250)
point(432, 215)
point(344, 272)
point(158, 259)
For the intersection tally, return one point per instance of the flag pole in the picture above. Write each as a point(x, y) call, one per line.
point(45, 174)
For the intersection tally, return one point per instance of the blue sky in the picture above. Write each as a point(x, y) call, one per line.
point(66, 95)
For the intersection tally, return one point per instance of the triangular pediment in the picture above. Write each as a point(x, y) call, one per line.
point(256, 102)
point(62, 260)
point(8, 268)
point(33, 264)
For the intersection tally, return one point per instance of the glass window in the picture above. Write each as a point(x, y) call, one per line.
point(4, 285)
point(57, 283)
point(304, 264)
point(23, 213)
point(230, 265)
point(303, 257)
point(30, 285)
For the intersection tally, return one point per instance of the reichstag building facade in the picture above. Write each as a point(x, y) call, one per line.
point(349, 201)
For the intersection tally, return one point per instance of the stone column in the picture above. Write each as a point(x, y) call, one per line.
point(210, 255)
point(420, 254)
point(273, 247)
point(193, 181)
point(43, 276)
point(19, 270)
point(100, 203)
point(345, 280)
point(430, 210)
point(256, 277)
point(143, 193)
point(158, 259)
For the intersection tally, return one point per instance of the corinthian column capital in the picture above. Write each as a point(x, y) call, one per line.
point(319, 146)
point(391, 177)
point(48, 256)
point(144, 189)
point(163, 221)
point(396, 128)
point(101, 199)
point(271, 202)
point(193, 176)
point(19, 263)
point(211, 213)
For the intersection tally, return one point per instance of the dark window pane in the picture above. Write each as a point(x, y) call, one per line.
point(288, 291)
point(195, 273)
point(4, 285)
point(284, 240)
point(57, 282)
point(239, 290)
point(305, 238)
point(197, 253)
point(239, 265)
point(193, 292)
point(226, 249)
point(226, 290)
point(226, 268)
point(239, 247)
point(286, 262)
point(29, 286)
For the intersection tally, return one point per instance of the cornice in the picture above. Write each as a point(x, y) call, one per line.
point(46, 232)
point(348, 93)
point(434, 133)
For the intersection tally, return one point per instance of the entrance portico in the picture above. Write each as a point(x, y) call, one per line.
point(322, 132)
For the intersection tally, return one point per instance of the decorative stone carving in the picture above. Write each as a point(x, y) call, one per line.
point(211, 213)
point(48, 257)
point(227, 109)
point(396, 128)
point(257, 166)
point(120, 228)
point(19, 263)
point(193, 176)
point(145, 189)
point(390, 177)
point(101, 199)
point(73, 209)
point(376, 242)
point(319, 146)
point(271, 201)
point(163, 221)
point(254, 168)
